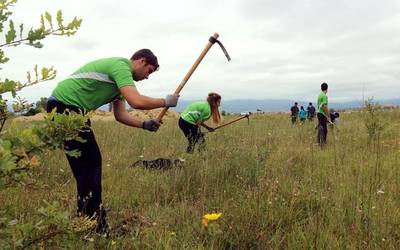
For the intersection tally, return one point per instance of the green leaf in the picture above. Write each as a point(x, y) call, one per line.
point(42, 26)
point(48, 18)
point(60, 19)
point(11, 34)
point(3, 58)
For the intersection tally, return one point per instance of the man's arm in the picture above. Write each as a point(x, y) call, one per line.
point(123, 116)
point(325, 108)
point(207, 127)
point(138, 101)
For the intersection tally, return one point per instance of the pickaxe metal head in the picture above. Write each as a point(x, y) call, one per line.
point(214, 40)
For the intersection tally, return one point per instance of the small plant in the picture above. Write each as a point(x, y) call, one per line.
point(373, 119)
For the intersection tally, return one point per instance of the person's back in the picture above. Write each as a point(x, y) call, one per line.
point(311, 111)
point(302, 113)
point(96, 83)
point(197, 112)
point(294, 112)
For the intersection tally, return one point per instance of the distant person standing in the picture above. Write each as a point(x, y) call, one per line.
point(294, 112)
point(322, 114)
point(310, 112)
point(302, 114)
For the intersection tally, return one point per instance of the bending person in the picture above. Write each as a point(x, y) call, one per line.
point(91, 86)
point(194, 116)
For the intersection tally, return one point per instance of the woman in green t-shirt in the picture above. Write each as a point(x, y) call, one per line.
point(195, 115)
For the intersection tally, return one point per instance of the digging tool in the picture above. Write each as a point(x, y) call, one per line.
point(211, 41)
point(238, 119)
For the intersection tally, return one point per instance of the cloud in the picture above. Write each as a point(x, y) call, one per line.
point(279, 48)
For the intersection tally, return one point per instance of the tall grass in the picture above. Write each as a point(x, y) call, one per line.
point(275, 187)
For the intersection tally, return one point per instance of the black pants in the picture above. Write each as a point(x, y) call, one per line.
point(193, 134)
point(86, 168)
point(322, 133)
point(294, 119)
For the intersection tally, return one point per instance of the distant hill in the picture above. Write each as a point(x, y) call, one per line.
point(266, 105)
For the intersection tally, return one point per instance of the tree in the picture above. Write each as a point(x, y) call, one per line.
point(14, 37)
point(21, 149)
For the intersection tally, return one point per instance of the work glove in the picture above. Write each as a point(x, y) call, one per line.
point(171, 100)
point(151, 125)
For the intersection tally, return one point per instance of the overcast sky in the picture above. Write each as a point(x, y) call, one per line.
point(280, 49)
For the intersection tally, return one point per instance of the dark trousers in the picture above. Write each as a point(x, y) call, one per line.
point(294, 119)
point(86, 168)
point(193, 134)
point(322, 128)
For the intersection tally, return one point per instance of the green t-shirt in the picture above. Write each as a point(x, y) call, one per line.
point(322, 100)
point(197, 112)
point(96, 83)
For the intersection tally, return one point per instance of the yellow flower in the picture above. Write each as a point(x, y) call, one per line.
point(212, 217)
point(113, 242)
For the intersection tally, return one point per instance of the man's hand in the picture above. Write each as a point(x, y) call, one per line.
point(171, 100)
point(210, 129)
point(151, 125)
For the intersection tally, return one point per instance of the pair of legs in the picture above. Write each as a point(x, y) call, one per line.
point(193, 134)
point(322, 129)
point(294, 119)
point(86, 169)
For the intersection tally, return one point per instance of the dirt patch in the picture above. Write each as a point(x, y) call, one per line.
point(100, 115)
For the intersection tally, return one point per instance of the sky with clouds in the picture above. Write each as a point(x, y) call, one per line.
point(280, 49)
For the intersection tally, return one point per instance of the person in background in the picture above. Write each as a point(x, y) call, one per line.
point(294, 112)
point(334, 115)
point(322, 114)
point(193, 118)
point(302, 114)
point(310, 112)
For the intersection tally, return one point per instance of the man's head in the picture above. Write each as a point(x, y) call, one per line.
point(324, 86)
point(310, 104)
point(143, 62)
point(295, 104)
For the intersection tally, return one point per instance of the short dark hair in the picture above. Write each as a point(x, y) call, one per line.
point(310, 103)
point(295, 103)
point(148, 55)
point(324, 86)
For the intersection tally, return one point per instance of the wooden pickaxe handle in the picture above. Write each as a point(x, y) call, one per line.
point(226, 124)
point(189, 74)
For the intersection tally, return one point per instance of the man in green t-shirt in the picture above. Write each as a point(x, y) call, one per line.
point(322, 114)
point(109, 80)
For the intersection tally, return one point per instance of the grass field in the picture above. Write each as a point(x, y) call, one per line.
point(275, 187)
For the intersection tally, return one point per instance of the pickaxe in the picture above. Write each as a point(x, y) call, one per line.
point(211, 41)
point(238, 119)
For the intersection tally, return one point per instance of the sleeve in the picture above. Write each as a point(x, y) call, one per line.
point(121, 73)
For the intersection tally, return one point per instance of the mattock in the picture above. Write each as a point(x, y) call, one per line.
point(211, 41)
point(238, 119)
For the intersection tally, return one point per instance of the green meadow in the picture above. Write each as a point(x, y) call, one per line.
point(274, 186)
